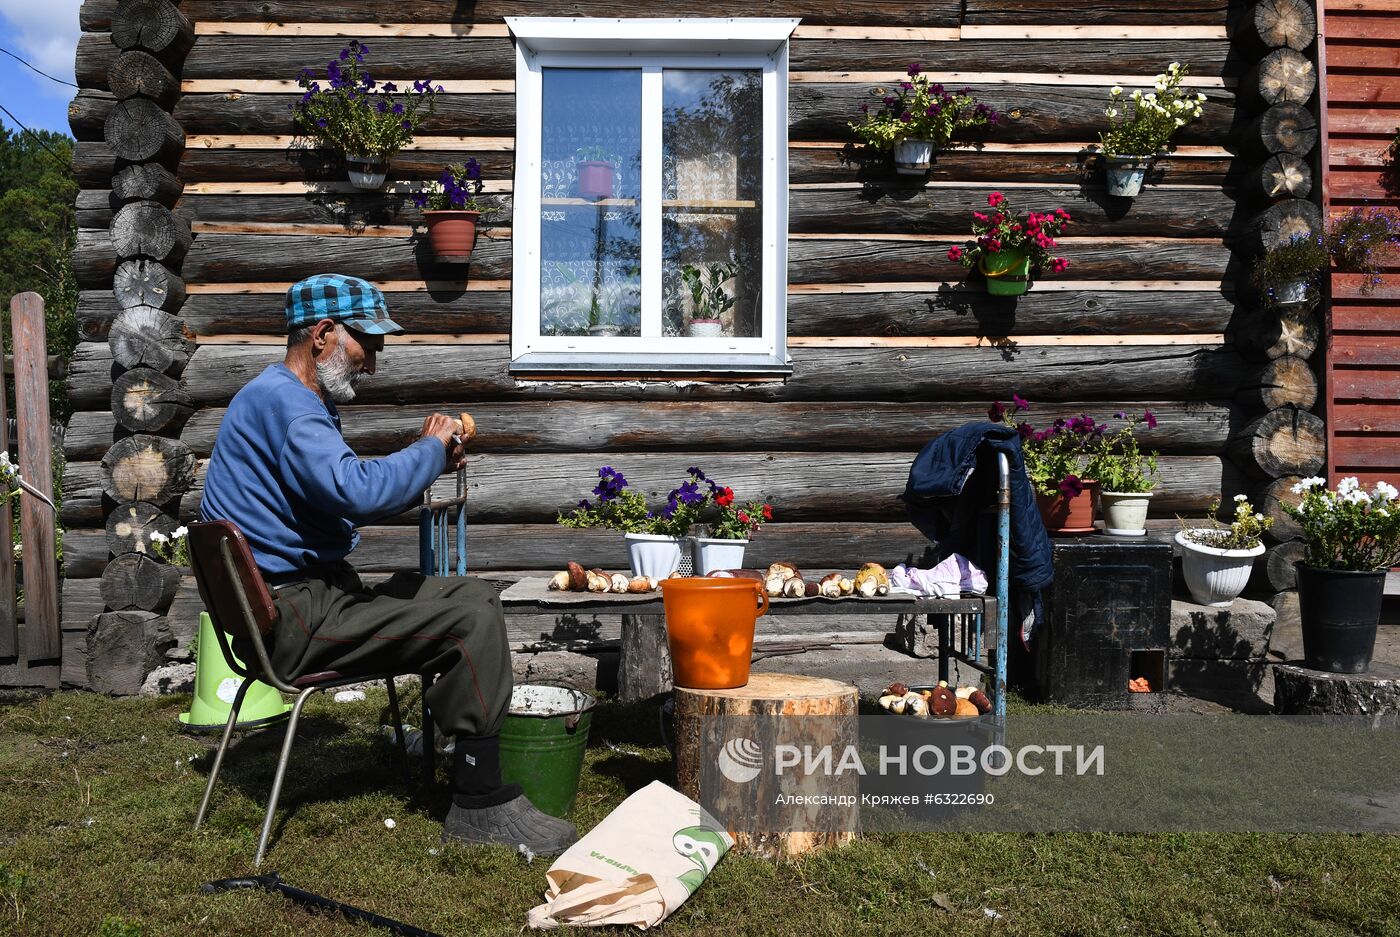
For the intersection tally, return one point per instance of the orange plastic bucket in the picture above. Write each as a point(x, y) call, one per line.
point(709, 626)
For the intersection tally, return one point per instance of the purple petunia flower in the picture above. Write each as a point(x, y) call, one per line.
point(1019, 402)
point(1071, 486)
point(398, 108)
point(585, 504)
point(1024, 430)
point(390, 86)
point(344, 55)
point(407, 125)
point(383, 107)
point(906, 116)
point(906, 85)
point(996, 411)
point(914, 69)
point(1150, 419)
point(364, 49)
point(320, 122)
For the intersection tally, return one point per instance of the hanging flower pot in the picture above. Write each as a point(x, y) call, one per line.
point(1126, 175)
point(704, 328)
point(1215, 576)
point(1065, 513)
point(452, 234)
point(1007, 271)
point(367, 172)
point(1340, 609)
point(913, 157)
point(595, 179)
point(1124, 513)
point(1291, 292)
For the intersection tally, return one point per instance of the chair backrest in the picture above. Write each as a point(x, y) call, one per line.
point(229, 583)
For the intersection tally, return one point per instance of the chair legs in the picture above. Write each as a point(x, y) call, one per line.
point(223, 747)
point(429, 735)
point(281, 772)
point(399, 735)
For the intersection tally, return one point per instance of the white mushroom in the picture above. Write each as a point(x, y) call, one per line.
point(597, 582)
point(794, 588)
point(618, 583)
point(831, 585)
point(916, 705)
point(559, 582)
point(887, 701)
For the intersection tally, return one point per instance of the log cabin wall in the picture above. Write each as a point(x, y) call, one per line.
point(887, 353)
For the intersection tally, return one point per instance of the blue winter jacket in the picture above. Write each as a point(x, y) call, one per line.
point(946, 509)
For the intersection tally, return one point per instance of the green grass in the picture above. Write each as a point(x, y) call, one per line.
point(97, 797)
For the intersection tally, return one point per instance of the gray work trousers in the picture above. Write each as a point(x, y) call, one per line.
point(451, 626)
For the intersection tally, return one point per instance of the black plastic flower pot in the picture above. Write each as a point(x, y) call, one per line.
point(1340, 609)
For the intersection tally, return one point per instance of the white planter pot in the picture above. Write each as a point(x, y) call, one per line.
point(366, 172)
point(1126, 175)
point(712, 554)
point(1291, 292)
point(1213, 576)
point(705, 328)
point(653, 555)
point(1124, 514)
point(913, 157)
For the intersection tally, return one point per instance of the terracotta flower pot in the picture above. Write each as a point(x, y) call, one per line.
point(452, 233)
point(1068, 515)
point(595, 179)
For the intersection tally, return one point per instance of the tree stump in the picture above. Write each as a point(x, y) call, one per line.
point(644, 665)
point(720, 733)
point(147, 401)
point(1281, 442)
point(1299, 691)
point(122, 647)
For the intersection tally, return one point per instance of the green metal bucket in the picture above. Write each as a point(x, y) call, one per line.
point(542, 743)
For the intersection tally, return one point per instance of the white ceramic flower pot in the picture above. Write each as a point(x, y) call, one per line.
point(1291, 292)
point(1126, 175)
point(366, 172)
point(1124, 514)
point(653, 555)
point(913, 157)
point(712, 554)
point(1213, 576)
point(705, 328)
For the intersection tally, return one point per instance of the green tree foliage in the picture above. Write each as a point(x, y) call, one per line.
point(37, 235)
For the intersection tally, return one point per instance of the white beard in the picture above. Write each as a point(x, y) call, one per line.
point(337, 377)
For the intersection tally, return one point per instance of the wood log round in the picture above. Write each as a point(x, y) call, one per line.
point(1283, 128)
point(147, 468)
point(148, 401)
point(1274, 333)
point(149, 229)
point(1278, 564)
point(146, 182)
point(708, 719)
point(147, 337)
point(1281, 442)
point(1280, 223)
point(147, 283)
point(1268, 499)
point(129, 527)
point(122, 648)
point(135, 581)
point(1301, 691)
point(1282, 175)
point(1282, 382)
point(644, 664)
point(1284, 76)
point(156, 26)
point(138, 130)
point(1278, 24)
point(140, 74)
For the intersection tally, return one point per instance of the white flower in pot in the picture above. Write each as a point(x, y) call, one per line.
point(1217, 560)
point(1141, 126)
point(1126, 477)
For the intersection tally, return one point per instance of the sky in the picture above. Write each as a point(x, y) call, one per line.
point(45, 33)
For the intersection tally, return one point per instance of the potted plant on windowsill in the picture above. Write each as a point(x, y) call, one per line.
point(1216, 561)
point(653, 537)
point(1141, 127)
point(730, 529)
point(1006, 249)
point(1353, 538)
point(918, 119)
point(597, 172)
point(709, 297)
point(1126, 477)
point(1283, 275)
point(364, 120)
point(452, 205)
point(1055, 460)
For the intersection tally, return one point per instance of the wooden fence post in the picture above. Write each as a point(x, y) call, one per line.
point(42, 639)
point(9, 625)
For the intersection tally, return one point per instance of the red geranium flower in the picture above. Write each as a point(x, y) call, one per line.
point(725, 498)
point(768, 512)
point(743, 518)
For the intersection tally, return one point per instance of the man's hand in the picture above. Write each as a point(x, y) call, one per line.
point(441, 427)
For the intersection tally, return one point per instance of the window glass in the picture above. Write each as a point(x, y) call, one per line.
point(590, 202)
point(712, 219)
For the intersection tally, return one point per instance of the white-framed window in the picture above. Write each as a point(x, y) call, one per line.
point(650, 197)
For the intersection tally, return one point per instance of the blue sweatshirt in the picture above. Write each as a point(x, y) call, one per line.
point(282, 472)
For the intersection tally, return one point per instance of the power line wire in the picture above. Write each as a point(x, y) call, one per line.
point(36, 70)
point(38, 139)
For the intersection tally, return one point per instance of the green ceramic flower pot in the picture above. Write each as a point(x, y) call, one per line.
point(1007, 271)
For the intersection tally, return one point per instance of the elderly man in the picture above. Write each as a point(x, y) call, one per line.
point(283, 473)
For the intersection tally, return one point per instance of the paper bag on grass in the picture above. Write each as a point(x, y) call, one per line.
point(637, 866)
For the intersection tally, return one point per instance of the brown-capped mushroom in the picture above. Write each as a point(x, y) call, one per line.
point(578, 577)
point(639, 584)
point(980, 700)
point(943, 703)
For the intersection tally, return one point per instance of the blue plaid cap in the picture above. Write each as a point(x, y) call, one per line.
point(356, 302)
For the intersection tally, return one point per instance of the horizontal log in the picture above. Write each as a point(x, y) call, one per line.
point(1279, 571)
point(588, 426)
point(1272, 333)
point(424, 373)
point(1280, 223)
point(1283, 128)
point(1269, 499)
point(129, 529)
point(136, 582)
point(1109, 12)
point(147, 401)
point(147, 283)
point(144, 181)
point(94, 259)
point(149, 229)
point(1282, 175)
point(139, 130)
point(1284, 76)
point(145, 337)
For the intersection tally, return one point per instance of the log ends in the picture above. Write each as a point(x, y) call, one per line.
point(1269, 499)
point(129, 527)
point(147, 468)
point(146, 182)
point(1278, 568)
point(149, 401)
point(150, 283)
point(1283, 128)
point(149, 338)
point(1283, 331)
point(1282, 382)
point(123, 647)
point(1284, 76)
point(1283, 175)
point(150, 230)
point(138, 130)
point(140, 74)
point(1277, 24)
point(157, 26)
point(137, 582)
point(1280, 223)
point(1281, 442)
